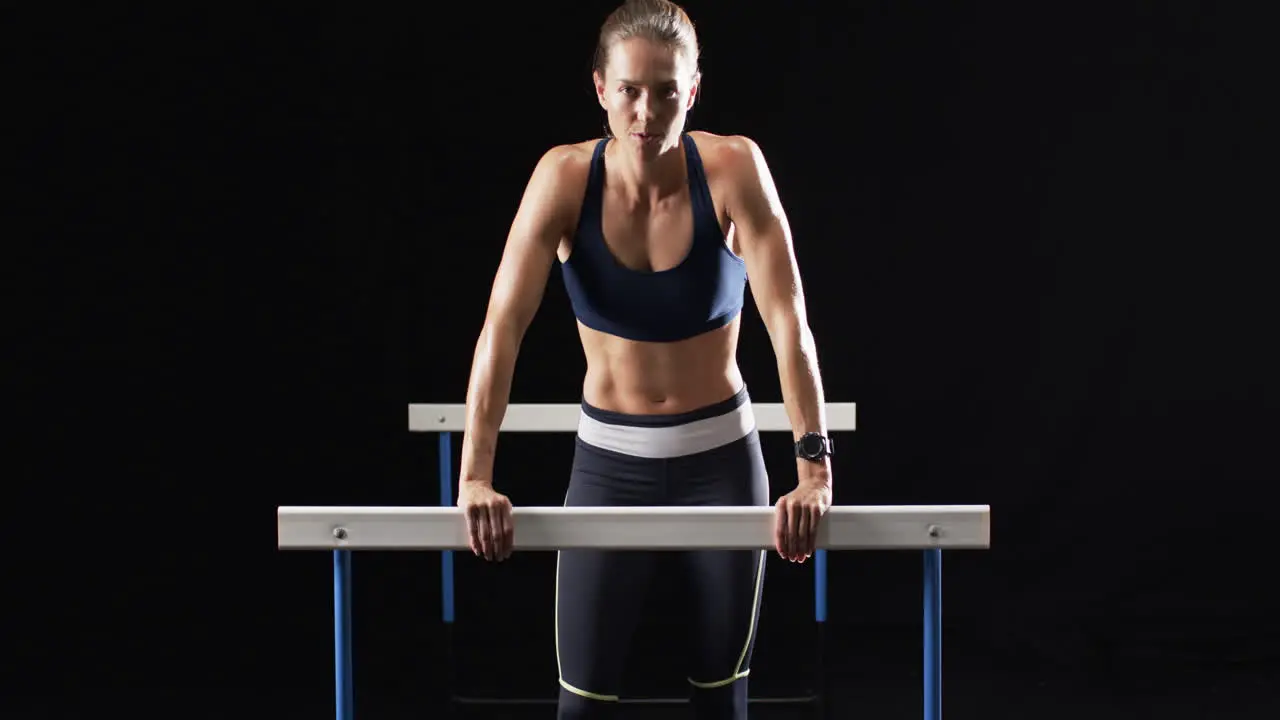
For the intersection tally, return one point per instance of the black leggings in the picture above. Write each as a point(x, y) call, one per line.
point(599, 593)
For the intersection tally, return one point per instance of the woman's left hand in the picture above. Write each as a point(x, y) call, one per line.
point(796, 522)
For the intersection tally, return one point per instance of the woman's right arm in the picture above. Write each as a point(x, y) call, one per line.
point(541, 221)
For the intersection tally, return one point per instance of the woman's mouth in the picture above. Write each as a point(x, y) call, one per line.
point(645, 137)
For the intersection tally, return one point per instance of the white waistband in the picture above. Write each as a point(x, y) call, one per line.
point(668, 442)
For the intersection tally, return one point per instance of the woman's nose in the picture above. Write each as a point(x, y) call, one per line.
point(644, 107)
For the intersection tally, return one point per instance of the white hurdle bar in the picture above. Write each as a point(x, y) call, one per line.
point(563, 417)
point(844, 527)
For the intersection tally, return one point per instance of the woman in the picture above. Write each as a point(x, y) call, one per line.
point(656, 230)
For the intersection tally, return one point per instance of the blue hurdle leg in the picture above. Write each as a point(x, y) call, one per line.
point(933, 634)
point(343, 686)
point(820, 616)
point(820, 586)
point(446, 500)
point(446, 566)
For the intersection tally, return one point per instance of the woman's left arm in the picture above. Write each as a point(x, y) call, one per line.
point(764, 239)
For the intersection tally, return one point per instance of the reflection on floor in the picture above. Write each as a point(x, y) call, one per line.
point(891, 693)
point(874, 676)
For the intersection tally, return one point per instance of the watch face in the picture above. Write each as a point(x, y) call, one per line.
point(811, 445)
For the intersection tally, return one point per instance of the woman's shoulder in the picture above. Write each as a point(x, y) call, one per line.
point(567, 165)
point(732, 163)
point(723, 152)
point(570, 157)
point(559, 179)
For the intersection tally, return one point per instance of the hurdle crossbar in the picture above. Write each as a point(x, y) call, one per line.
point(563, 417)
point(844, 527)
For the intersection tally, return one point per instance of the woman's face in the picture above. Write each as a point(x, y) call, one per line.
point(647, 91)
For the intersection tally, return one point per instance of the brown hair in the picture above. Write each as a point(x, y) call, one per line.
point(659, 21)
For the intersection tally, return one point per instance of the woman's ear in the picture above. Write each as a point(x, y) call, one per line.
point(598, 80)
point(693, 91)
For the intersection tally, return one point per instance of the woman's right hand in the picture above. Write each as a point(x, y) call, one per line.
point(488, 516)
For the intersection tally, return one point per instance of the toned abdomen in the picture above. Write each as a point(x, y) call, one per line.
point(657, 378)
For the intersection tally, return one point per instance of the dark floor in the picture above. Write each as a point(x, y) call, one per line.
point(1175, 673)
point(889, 693)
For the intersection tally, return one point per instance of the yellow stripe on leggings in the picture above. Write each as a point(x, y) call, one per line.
point(559, 669)
point(738, 672)
point(588, 695)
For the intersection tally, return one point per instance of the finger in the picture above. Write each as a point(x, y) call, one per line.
point(794, 515)
point(473, 531)
point(473, 524)
point(815, 520)
point(780, 528)
point(482, 531)
point(784, 523)
point(802, 534)
point(496, 533)
point(491, 534)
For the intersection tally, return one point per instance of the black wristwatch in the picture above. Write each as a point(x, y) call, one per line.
point(814, 446)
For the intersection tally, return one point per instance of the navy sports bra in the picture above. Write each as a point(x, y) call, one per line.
point(702, 293)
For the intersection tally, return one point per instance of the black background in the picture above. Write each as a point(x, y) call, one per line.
point(1033, 244)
